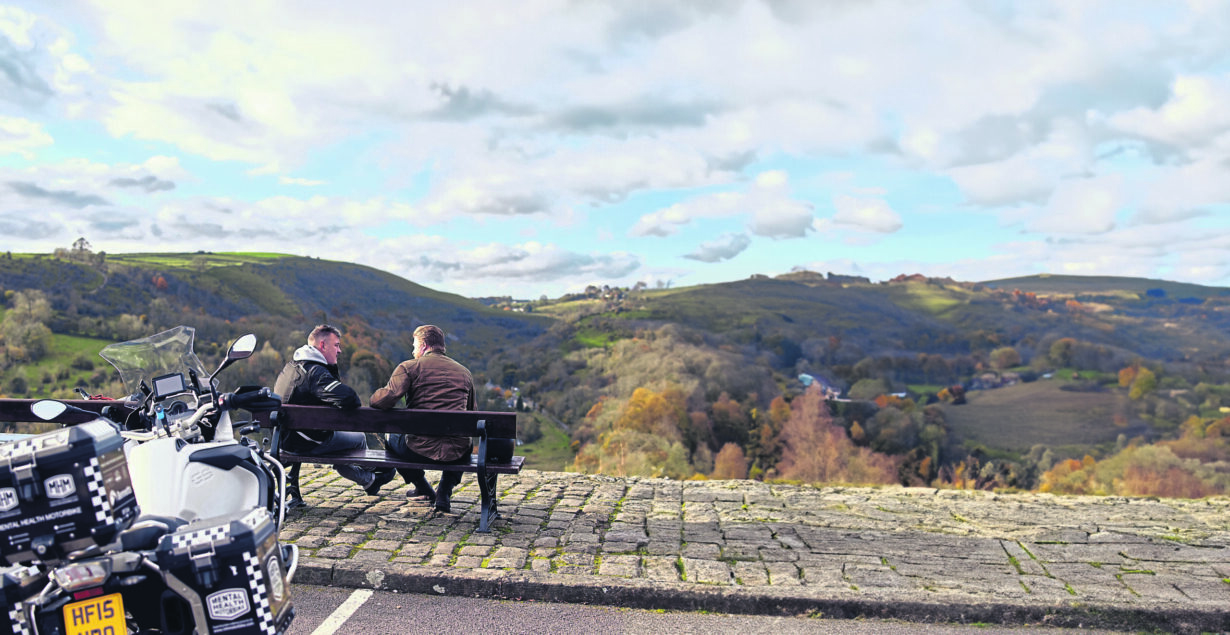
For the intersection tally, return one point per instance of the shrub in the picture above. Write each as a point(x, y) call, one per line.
point(82, 362)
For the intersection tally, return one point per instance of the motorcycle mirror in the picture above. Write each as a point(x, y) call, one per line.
point(48, 409)
point(243, 347)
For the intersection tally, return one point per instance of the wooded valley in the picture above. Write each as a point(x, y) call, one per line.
point(1052, 383)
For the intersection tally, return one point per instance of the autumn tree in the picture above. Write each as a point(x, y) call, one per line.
point(24, 333)
point(730, 463)
point(1060, 352)
point(815, 450)
point(643, 438)
point(1144, 383)
point(1005, 357)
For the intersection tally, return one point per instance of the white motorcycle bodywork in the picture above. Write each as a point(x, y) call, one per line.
point(195, 480)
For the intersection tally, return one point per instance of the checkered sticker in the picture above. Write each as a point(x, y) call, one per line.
point(17, 617)
point(260, 595)
point(200, 537)
point(29, 445)
point(256, 517)
point(98, 491)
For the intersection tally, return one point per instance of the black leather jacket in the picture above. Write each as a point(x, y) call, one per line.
point(307, 380)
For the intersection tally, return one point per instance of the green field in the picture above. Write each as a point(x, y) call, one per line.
point(53, 375)
point(1017, 417)
point(196, 261)
point(551, 452)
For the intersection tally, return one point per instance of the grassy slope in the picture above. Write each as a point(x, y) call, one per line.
point(1020, 416)
point(550, 453)
point(64, 348)
point(1108, 285)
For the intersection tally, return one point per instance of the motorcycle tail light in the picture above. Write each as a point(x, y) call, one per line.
point(82, 575)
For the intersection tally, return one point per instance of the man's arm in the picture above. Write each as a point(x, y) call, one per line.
point(333, 392)
point(398, 386)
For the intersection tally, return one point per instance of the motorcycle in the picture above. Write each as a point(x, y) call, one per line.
point(203, 555)
point(181, 448)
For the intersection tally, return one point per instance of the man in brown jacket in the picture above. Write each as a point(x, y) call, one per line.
point(430, 381)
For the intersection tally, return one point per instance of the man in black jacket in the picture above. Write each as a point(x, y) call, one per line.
point(311, 379)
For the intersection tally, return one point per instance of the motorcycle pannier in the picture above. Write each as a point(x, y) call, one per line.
point(230, 572)
point(62, 491)
point(18, 584)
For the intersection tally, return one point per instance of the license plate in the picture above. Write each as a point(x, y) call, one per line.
point(102, 615)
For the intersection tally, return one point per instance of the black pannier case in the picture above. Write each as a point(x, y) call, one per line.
point(62, 491)
point(229, 571)
point(18, 584)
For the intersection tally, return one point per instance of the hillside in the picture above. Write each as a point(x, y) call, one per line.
point(280, 296)
point(1020, 416)
point(694, 380)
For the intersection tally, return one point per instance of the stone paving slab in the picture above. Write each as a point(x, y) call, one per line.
point(751, 547)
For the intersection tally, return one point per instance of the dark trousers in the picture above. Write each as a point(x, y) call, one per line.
point(337, 442)
point(418, 478)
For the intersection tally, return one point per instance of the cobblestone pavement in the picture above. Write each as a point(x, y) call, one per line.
point(751, 547)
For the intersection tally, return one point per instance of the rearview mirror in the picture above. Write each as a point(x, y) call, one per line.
point(242, 348)
point(48, 409)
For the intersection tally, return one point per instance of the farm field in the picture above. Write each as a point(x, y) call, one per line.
point(1017, 417)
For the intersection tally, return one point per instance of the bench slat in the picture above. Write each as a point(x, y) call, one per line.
point(382, 459)
point(500, 425)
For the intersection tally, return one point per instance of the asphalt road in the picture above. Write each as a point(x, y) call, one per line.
point(329, 610)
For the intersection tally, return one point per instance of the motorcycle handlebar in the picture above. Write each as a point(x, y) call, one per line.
point(251, 399)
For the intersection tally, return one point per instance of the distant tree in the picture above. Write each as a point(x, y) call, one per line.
point(1005, 357)
point(1144, 383)
point(730, 463)
point(814, 450)
point(18, 385)
point(730, 422)
point(868, 389)
point(1061, 352)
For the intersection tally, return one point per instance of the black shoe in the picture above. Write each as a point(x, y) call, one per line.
point(378, 480)
point(443, 502)
point(294, 503)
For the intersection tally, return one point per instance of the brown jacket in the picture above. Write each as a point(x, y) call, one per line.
point(431, 382)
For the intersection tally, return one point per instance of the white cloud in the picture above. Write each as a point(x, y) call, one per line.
point(22, 137)
point(1177, 193)
point(771, 210)
point(529, 262)
point(723, 248)
point(676, 121)
point(865, 214)
point(1193, 115)
point(668, 220)
point(1030, 174)
point(776, 217)
point(287, 180)
point(1081, 206)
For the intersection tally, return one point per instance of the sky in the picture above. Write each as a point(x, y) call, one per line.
point(535, 147)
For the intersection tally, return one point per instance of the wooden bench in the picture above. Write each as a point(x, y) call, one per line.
point(493, 429)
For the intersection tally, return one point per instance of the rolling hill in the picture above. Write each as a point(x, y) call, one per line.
point(750, 338)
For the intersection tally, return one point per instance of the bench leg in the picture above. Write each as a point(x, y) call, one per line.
point(486, 487)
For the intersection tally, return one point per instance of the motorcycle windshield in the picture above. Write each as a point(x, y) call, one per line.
point(154, 356)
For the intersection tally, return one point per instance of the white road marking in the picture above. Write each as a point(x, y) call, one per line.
point(343, 612)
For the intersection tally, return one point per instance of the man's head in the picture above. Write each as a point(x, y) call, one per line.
point(328, 340)
point(428, 338)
